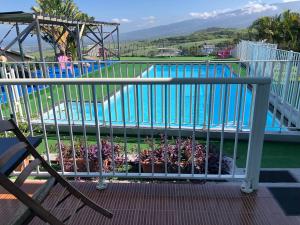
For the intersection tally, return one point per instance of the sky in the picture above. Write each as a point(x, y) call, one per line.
point(141, 14)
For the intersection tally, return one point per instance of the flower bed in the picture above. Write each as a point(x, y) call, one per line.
point(91, 155)
point(160, 158)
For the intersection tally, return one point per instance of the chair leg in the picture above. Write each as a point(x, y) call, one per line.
point(83, 198)
point(36, 208)
point(59, 178)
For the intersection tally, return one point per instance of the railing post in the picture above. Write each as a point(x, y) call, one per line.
point(256, 139)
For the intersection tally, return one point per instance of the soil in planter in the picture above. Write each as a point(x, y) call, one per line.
point(159, 167)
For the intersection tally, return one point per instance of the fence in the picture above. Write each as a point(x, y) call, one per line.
point(202, 97)
point(284, 69)
point(141, 69)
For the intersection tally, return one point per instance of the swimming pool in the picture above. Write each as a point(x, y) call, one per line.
point(149, 102)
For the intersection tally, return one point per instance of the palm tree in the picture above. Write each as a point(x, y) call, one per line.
point(291, 26)
point(261, 29)
point(283, 29)
point(53, 34)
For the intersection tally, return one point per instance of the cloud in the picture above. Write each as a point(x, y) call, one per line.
point(118, 20)
point(257, 7)
point(250, 8)
point(207, 15)
point(290, 0)
point(149, 19)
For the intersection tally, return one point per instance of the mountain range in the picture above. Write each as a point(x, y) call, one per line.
point(240, 18)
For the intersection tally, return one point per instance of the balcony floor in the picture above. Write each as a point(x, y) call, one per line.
point(163, 203)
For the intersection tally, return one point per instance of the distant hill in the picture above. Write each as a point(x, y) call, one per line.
point(230, 19)
point(189, 44)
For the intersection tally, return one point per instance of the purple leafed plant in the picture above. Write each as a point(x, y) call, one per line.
point(179, 156)
point(90, 153)
point(184, 155)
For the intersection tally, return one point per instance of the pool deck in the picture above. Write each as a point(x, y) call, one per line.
point(164, 203)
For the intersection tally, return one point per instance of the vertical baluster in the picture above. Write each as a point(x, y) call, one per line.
point(83, 120)
point(142, 106)
point(221, 97)
point(128, 97)
point(155, 111)
point(137, 108)
point(111, 134)
point(101, 184)
point(169, 96)
point(61, 160)
point(152, 134)
point(102, 93)
point(74, 88)
point(277, 93)
point(191, 96)
point(115, 92)
point(229, 98)
point(124, 127)
point(27, 107)
point(69, 105)
point(208, 132)
point(183, 99)
point(176, 94)
point(163, 104)
point(179, 128)
point(57, 93)
point(214, 95)
point(32, 92)
point(45, 88)
point(237, 129)
point(194, 129)
point(165, 131)
point(236, 97)
point(223, 129)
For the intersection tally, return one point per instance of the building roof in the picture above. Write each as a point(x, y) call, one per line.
point(16, 53)
point(27, 18)
point(209, 46)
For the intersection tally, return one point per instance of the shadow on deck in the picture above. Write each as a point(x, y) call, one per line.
point(163, 203)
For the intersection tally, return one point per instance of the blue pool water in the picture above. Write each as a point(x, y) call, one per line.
point(156, 108)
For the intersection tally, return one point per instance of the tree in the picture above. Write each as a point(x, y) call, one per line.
point(282, 29)
point(262, 29)
point(60, 8)
point(291, 26)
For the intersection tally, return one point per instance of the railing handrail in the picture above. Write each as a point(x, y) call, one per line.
point(156, 61)
point(126, 81)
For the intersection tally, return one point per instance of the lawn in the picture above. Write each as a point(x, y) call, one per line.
point(174, 58)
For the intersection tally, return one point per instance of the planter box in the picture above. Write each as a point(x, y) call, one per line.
point(159, 167)
point(81, 165)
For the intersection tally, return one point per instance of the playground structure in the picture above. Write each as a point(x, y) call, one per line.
point(101, 35)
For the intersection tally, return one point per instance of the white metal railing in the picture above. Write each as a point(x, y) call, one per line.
point(138, 69)
point(185, 110)
point(284, 69)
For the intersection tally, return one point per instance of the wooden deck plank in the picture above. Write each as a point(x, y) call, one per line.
point(167, 203)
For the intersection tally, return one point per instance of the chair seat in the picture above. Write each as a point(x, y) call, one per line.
point(6, 143)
